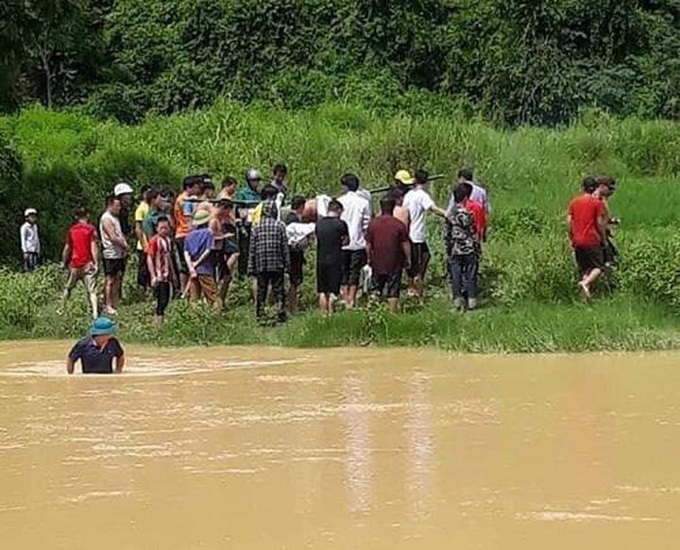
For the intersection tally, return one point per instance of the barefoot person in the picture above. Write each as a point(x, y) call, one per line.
point(98, 351)
point(80, 254)
point(115, 250)
point(356, 213)
point(159, 263)
point(332, 234)
point(389, 252)
point(418, 203)
point(587, 220)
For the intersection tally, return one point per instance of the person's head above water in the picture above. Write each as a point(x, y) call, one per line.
point(102, 330)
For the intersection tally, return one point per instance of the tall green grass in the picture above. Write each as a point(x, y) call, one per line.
point(530, 173)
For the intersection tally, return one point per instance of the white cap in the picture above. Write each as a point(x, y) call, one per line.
point(122, 189)
point(253, 174)
point(30, 211)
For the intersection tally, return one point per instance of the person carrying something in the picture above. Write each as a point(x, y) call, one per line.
point(97, 351)
point(115, 250)
point(418, 203)
point(332, 234)
point(141, 212)
point(185, 206)
point(356, 213)
point(299, 236)
point(587, 221)
point(605, 186)
point(81, 256)
point(199, 258)
point(247, 199)
point(389, 252)
point(160, 266)
point(461, 242)
point(268, 261)
point(30, 240)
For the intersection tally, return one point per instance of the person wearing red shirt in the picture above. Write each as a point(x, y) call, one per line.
point(587, 220)
point(161, 269)
point(80, 255)
point(389, 252)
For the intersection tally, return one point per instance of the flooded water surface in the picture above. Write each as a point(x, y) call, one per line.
point(268, 448)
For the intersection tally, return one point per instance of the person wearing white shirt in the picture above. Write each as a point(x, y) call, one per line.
point(479, 194)
point(357, 215)
point(418, 203)
point(30, 240)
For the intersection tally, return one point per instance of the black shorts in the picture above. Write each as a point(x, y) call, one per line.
point(420, 259)
point(181, 262)
point(386, 285)
point(114, 268)
point(328, 278)
point(297, 266)
point(588, 259)
point(353, 261)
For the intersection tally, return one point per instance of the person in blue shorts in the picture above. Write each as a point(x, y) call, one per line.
point(98, 350)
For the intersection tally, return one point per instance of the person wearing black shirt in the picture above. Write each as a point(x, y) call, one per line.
point(332, 234)
point(97, 351)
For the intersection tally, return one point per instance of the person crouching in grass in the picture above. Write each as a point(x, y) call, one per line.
point(587, 220)
point(461, 240)
point(199, 257)
point(160, 266)
point(389, 253)
point(269, 260)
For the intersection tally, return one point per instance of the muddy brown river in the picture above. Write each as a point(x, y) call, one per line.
point(267, 448)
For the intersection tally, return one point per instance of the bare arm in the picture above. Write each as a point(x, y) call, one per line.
point(70, 365)
point(406, 248)
point(108, 228)
point(66, 253)
point(438, 211)
point(120, 363)
point(151, 266)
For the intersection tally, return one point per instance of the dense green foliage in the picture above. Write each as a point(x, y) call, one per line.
point(510, 61)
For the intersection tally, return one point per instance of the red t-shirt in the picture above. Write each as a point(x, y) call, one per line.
point(80, 238)
point(159, 252)
point(479, 213)
point(584, 212)
point(386, 235)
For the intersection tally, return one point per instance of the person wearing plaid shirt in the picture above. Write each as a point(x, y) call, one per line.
point(269, 259)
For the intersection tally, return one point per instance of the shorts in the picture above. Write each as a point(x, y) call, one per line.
point(353, 262)
point(181, 262)
point(328, 278)
point(114, 267)
point(386, 285)
point(588, 259)
point(420, 259)
point(203, 286)
point(89, 279)
point(297, 266)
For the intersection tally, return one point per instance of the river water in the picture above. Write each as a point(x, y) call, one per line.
point(269, 448)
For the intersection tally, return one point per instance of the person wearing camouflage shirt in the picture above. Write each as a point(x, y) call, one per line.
point(462, 250)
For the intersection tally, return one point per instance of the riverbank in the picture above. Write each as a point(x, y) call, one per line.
point(616, 323)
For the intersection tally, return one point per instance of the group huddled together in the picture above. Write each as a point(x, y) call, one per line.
point(194, 243)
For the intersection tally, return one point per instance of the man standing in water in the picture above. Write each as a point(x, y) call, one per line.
point(115, 250)
point(97, 351)
point(587, 220)
point(356, 213)
point(418, 203)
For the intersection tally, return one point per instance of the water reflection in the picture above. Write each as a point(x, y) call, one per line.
point(357, 420)
point(420, 444)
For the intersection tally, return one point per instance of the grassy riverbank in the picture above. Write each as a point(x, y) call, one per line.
point(617, 322)
point(529, 297)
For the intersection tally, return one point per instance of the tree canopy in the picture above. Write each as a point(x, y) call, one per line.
point(510, 61)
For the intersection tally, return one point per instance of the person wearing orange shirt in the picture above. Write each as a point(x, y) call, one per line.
point(183, 213)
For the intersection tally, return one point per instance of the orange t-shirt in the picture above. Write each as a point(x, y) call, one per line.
point(183, 212)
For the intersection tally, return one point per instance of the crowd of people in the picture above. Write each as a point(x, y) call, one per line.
point(193, 244)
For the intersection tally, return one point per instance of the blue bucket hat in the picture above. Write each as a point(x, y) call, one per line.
point(102, 326)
